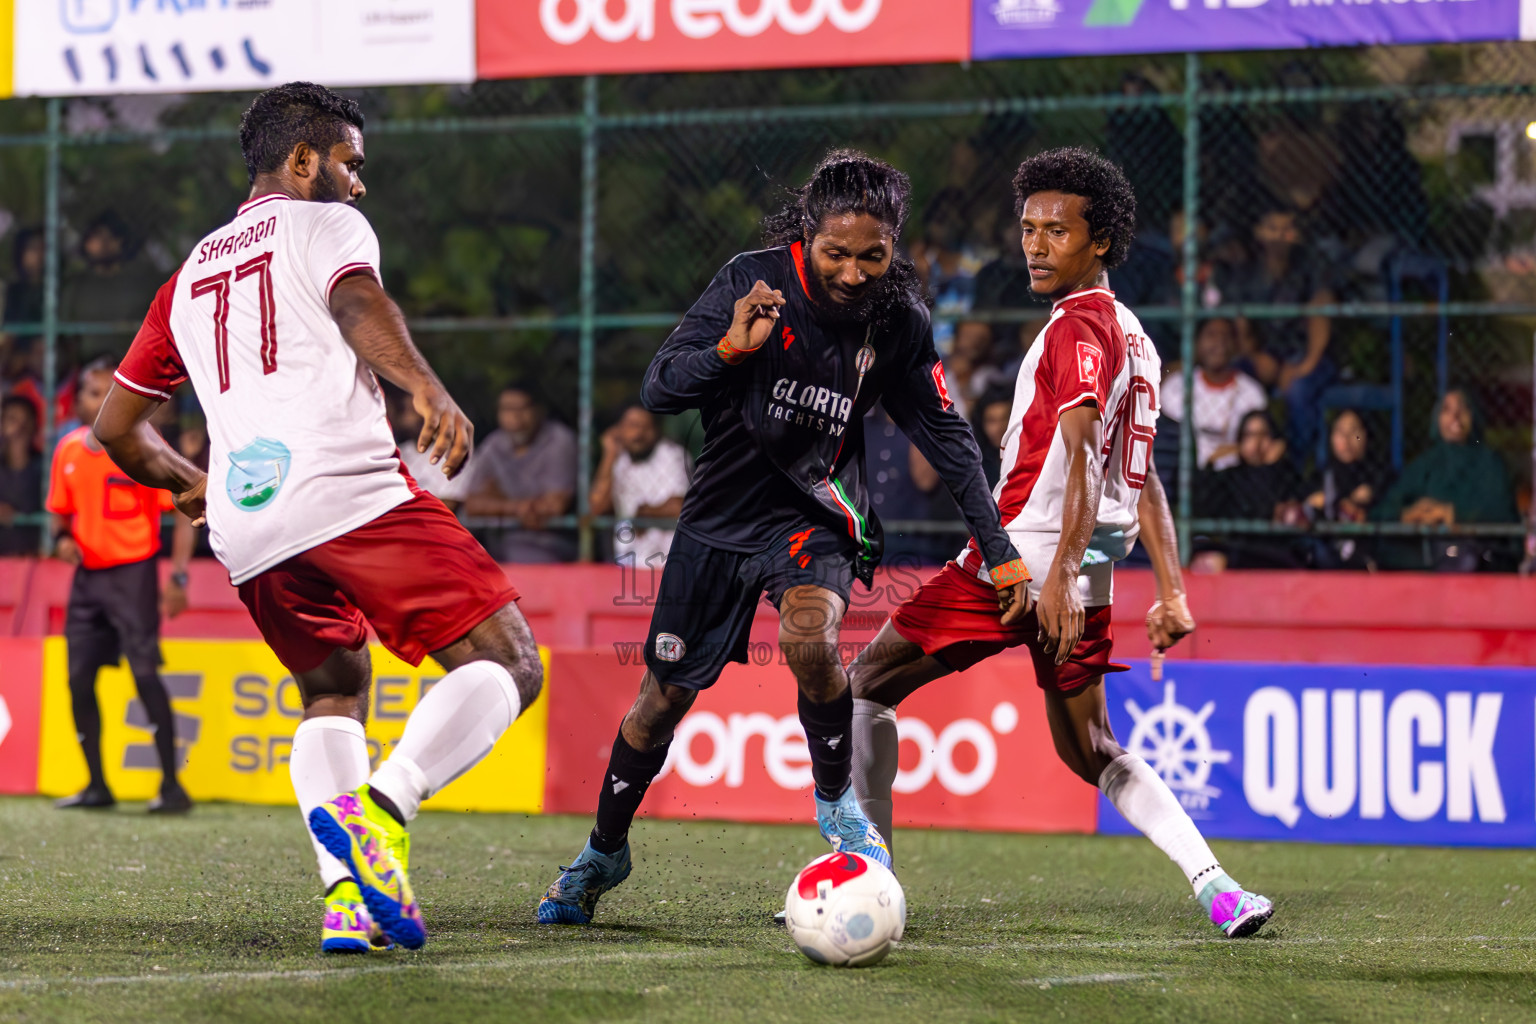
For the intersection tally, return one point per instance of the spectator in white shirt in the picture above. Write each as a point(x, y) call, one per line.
point(1223, 395)
point(642, 475)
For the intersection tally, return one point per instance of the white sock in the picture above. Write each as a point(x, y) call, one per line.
point(1141, 795)
point(455, 725)
point(876, 751)
point(329, 756)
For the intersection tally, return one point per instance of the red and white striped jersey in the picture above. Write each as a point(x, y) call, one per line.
point(1092, 350)
point(300, 451)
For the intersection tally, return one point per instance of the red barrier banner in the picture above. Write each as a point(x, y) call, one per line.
point(527, 38)
point(21, 690)
point(976, 751)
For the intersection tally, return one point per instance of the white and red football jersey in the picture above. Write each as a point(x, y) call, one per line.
point(300, 451)
point(1092, 350)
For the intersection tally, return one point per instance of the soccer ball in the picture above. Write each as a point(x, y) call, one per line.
point(845, 910)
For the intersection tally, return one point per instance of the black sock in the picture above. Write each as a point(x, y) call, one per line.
point(82, 697)
point(157, 705)
point(829, 735)
point(629, 775)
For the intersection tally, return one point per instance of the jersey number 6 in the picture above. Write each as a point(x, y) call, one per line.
point(218, 285)
point(1136, 417)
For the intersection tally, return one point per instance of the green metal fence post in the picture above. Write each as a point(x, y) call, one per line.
point(588, 314)
point(1189, 295)
point(51, 229)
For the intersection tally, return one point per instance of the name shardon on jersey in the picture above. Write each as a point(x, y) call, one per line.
point(217, 247)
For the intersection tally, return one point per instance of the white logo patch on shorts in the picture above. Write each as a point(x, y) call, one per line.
point(670, 647)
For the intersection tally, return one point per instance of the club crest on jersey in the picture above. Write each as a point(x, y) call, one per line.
point(670, 647)
point(865, 361)
point(942, 385)
point(256, 473)
point(1089, 362)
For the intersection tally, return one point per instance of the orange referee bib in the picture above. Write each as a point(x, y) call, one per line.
point(114, 520)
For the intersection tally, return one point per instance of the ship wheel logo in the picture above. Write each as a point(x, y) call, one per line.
point(1174, 740)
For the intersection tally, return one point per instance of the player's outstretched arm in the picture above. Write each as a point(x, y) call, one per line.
point(1061, 605)
point(373, 325)
point(137, 448)
point(1169, 621)
point(945, 440)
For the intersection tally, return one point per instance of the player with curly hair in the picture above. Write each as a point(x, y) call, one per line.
point(1076, 489)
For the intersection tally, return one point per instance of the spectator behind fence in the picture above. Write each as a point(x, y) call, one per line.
point(407, 424)
point(108, 527)
point(24, 290)
point(968, 369)
point(641, 475)
point(1223, 395)
point(1289, 355)
point(114, 285)
point(525, 470)
point(892, 469)
point(21, 475)
point(947, 262)
point(990, 424)
point(1264, 485)
point(1352, 480)
point(1458, 480)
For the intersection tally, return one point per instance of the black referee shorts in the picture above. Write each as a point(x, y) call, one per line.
point(708, 597)
point(114, 613)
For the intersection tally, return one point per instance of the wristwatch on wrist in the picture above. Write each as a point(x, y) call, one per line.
point(180, 579)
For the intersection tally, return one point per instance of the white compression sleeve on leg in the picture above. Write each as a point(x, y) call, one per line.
point(455, 725)
point(876, 750)
point(1141, 795)
point(329, 756)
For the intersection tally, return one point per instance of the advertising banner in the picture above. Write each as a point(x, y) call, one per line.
point(526, 38)
point(21, 673)
point(236, 709)
point(1053, 28)
point(86, 47)
point(1345, 753)
point(976, 751)
point(7, 45)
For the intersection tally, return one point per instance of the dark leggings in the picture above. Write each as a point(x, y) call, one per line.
point(157, 705)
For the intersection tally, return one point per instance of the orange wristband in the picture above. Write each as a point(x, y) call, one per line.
point(729, 354)
point(1009, 574)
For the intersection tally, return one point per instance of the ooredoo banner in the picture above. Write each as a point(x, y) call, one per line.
point(85, 47)
point(1054, 28)
point(1338, 753)
point(524, 38)
point(976, 750)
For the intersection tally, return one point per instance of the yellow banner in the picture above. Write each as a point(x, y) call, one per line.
point(236, 709)
point(7, 46)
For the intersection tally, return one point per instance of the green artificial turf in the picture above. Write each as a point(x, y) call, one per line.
point(120, 917)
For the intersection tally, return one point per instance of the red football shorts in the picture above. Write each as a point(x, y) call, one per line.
point(954, 618)
point(415, 574)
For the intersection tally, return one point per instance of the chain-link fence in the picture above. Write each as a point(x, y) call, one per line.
point(1364, 241)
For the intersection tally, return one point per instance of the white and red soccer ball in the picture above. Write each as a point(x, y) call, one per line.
point(845, 910)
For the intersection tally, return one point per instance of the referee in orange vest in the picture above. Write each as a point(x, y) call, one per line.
point(108, 526)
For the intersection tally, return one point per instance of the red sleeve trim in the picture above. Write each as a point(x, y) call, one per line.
point(348, 271)
point(144, 389)
point(1082, 399)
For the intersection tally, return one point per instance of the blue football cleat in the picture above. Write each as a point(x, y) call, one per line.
point(843, 824)
point(573, 896)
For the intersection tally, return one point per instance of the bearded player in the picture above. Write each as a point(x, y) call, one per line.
point(280, 321)
point(783, 354)
point(1077, 490)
